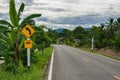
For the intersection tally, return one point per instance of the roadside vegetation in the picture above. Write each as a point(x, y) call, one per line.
point(106, 35)
point(39, 64)
point(12, 49)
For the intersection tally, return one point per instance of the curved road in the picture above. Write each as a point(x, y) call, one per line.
point(74, 64)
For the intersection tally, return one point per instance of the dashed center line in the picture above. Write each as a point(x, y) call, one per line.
point(116, 77)
point(85, 60)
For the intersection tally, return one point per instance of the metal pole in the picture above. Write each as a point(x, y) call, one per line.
point(92, 43)
point(28, 55)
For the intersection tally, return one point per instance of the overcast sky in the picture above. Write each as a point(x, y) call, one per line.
point(67, 13)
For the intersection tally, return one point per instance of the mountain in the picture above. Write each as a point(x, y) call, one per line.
point(59, 30)
point(87, 29)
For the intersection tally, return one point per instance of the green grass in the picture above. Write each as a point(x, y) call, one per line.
point(36, 72)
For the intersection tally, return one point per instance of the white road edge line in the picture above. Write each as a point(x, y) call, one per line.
point(51, 67)
point(107, 57)
point(102, 56)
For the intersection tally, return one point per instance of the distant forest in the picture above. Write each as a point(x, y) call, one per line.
point(105, 35)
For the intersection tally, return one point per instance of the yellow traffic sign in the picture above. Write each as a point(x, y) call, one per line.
point(28, 30)
point(28, 44)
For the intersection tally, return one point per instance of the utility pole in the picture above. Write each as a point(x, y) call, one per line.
point(92, 43)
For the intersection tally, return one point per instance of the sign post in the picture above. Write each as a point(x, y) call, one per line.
point(28, 55)
point(28, 31)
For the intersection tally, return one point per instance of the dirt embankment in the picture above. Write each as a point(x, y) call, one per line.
point(1, 61)
point(109, 52)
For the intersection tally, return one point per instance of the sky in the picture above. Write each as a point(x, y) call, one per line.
point(66, 13)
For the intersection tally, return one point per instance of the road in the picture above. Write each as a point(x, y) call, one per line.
point(74, 64)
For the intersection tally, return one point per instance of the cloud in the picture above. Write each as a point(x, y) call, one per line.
point(4, 16)
point(67, 13)
point(57, 9)
point(54, 25)
point(77, 20)
point(27, 2)
point(54, 9)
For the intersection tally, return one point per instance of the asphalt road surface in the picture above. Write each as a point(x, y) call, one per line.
point(74, 64)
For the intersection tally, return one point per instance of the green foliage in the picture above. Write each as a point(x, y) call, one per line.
point(117, 41)
point(78, 32)
point(9, 67)
point(53, 35)
point(11, 38)
point(21, 9)
point(42, 38)
point(105, 35)
point(99, 36)
point(27, 19)
point(80, 35)
point(5, 23)
point(36, 72)
point(6, 40)
point(11, 44)
point(13, 13)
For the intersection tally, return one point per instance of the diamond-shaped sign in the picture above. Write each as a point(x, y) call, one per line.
point(28, 30)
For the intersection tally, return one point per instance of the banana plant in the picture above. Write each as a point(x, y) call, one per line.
point(6, 42)
point(14, 26)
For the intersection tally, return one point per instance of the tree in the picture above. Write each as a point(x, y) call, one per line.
point(117, 24)
point(117, 34)
point(66, 37)
point(100, 36)
point(117, 41)
point(111, 27)
point(14, 26)
point(41, 38)
point(80, 34)
point(53, 35)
